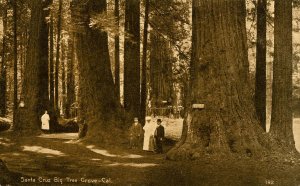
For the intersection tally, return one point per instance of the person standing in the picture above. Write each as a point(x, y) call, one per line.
point(135, 132)
point(149, 129)
point(159, 135)
point(45, 122)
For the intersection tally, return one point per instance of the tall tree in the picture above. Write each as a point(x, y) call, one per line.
point(3, 65)
point(34, 84)
point(282, 115)
point(63, 77)
point(144, 64)
point(58, 43)
point(15, 61)
point(43, 63)
point(117, 50)
point(51, 61)
point(226, 122)
point(97, 98)
point(169, 24)
point(160, 71)
point(132, 58)
point(70, 76)
point(261, 51)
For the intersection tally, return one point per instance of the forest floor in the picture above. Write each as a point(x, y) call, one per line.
point(56, 159)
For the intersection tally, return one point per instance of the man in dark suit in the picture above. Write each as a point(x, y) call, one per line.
point(159, 135)
point(135, 132)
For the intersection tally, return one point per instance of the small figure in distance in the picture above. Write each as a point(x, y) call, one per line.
point(135, 132)
point(45, 122)
point(159, 135)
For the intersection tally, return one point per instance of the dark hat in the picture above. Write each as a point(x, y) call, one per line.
point(158, 120)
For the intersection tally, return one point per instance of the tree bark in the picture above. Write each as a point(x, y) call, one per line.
point(144, 65)
point(63, 78)
point(260, 80)
point(15, 62)
point(3, 79)
point(59, 17)
point(160, 72)
point(132, 94)
point(35, 84)
point(219, 79)
point(43, 63)
point(51, 61)
point(99, 107)
point(282, 116)
point(70, 76)
point(117, 51)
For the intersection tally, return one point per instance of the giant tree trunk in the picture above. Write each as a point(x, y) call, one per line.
point(97, 98)
point(43, 61)
point(51, 62)
point(59, 17)
point(132, 58)
point(282, 115)
point(63, 78)
point(219, 80)
point(15, 62)
point(3, 66)
point(117, 51)
point(144, 65)
point(261, 51)
point(160, 72)
point(35, 79)
point(70, 76)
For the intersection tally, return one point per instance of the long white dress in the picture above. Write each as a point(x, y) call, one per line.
point(149, 129)
point(45, 122)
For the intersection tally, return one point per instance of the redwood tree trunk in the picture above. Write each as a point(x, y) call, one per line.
point(63, 77)
point(219, 80)
point(59, 17)
point(160, 72)
point(3, 66)
point(282, 116)
point(260, 79)
point(34, 80)
point(97, 98)
point(51, 61)
point(144, 65)
point(132, 58)
point(43, 63)
point(15, 62)
point(117, 52)
point(70, 77)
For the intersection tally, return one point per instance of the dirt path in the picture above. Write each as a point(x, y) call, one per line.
point(49, 157)
point(58, 159)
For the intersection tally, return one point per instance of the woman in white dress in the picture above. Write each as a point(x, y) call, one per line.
point(45, 121)
point(149, 129)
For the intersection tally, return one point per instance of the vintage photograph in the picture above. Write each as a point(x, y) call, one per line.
point(150, 92)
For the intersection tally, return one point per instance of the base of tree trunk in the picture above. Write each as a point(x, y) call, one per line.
point(109, 136)
point(210, 138)
point(268, 147)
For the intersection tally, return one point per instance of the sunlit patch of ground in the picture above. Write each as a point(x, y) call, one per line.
point(42, 150)
point(138, 165)
point(106, 153)
point(67, 136)
point(96, 159)
point(5, 142)
point(296, 129)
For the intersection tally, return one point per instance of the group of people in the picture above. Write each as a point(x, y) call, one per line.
point(152, 135)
